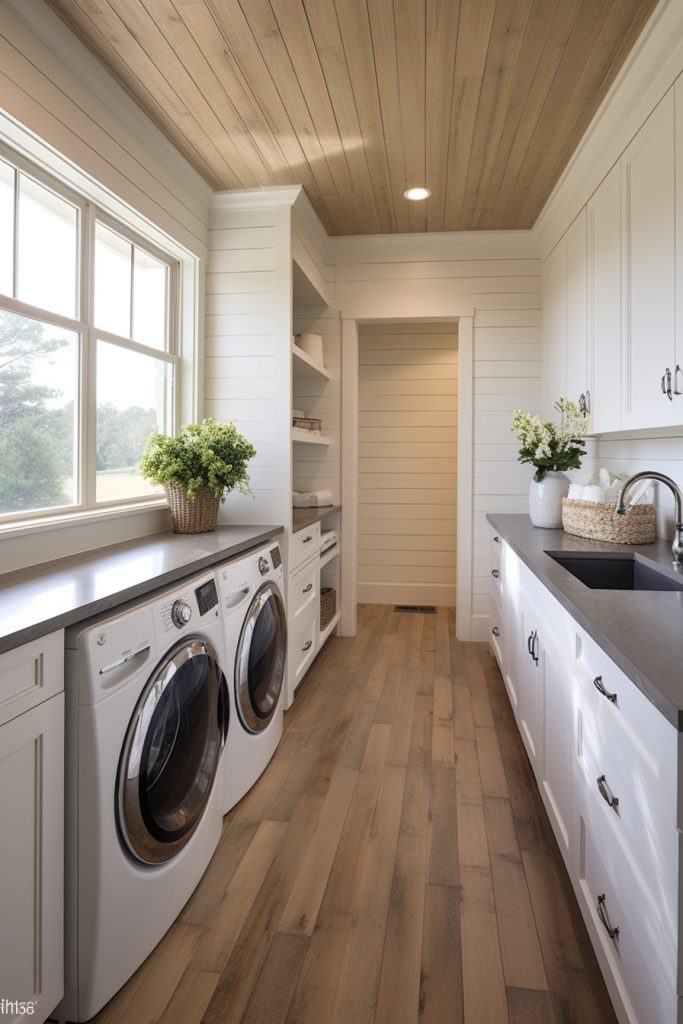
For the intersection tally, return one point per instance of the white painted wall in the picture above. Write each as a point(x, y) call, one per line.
point(651, 69)
point(407, 463)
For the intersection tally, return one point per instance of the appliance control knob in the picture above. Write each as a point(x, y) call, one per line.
point(181, 613)
point(263, 565)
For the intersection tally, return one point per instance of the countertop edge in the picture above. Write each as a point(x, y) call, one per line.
point(118, 596)
point(303, 517)
point(648, 687)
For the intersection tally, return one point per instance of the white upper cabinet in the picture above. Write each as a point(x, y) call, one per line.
point(648, 225)
point(604, 303)
point(566, 347)
point(577, 384)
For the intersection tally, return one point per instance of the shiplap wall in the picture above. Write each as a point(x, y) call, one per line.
point(407, 463)
point(247, 348)
point(496, 277)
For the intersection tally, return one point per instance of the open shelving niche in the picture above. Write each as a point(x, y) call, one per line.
point(308, 305)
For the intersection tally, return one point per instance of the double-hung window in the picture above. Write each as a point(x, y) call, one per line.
point(88, 350)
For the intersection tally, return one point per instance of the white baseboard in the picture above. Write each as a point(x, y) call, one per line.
point(440, 594)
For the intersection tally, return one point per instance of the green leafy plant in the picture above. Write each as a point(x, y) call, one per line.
point(207, 454)
point(552, 446)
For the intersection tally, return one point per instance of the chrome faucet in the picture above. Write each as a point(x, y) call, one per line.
point(620, 508)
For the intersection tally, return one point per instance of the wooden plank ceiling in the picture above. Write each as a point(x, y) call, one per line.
point(483, 101)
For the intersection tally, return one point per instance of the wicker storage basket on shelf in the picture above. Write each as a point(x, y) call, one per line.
point(328, 606)
point(598, 521)
point(198, 516)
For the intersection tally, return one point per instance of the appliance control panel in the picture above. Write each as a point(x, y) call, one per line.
point(187, 607)
point(276, 556)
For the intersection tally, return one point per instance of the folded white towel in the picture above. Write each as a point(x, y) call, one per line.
point(311, 499)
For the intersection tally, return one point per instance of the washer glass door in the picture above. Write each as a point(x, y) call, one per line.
point(171, 752)
point(260, 659)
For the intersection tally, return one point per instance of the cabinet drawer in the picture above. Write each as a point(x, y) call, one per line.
point(303, 591)
point(30, 674)
point(635, 833)
point(302, 647)
point(640, 966)
point(625, 720)
point(497, 637)
point(303, 545)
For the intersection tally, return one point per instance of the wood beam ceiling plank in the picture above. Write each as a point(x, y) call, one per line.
point(103, 32)
point(507, 33)
point(441, 41)
point(227, 134)
point(384, 49)
point(326, 35)
point(474, 31)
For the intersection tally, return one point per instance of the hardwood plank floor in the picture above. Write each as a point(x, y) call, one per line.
point(393, 865)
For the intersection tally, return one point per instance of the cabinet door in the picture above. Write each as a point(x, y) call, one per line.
point(533, 669)
point(555, 304)
point(31, 857)
point(604, 286)
point(514, 650)
point(576, 358)
point(559, 725)
point(648, 219)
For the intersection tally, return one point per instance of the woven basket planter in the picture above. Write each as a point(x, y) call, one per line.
point(198, 516)
point(598, 521)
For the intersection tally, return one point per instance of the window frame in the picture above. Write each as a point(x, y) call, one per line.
point(86, 505)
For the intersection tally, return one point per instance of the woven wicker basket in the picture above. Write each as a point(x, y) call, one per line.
point(198, 516)
point(598, 521)
point(328, 606)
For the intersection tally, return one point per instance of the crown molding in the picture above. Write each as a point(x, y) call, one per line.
point(256, 198)
point(648, 72)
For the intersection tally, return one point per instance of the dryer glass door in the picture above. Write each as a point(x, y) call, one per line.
point(171, 753)
point(260, 659)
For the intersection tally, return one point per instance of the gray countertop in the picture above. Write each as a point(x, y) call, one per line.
point(305, 516)
point(43, 598)
point(641, 631)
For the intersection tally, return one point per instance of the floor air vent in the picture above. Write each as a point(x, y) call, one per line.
point(423, 609)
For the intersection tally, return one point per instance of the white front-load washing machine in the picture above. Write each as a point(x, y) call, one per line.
point(250, 591)
point(147, 717)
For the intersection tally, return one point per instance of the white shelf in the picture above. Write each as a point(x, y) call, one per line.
point(306, 368)
point(308, 437)
point(328, 555)
point(324, 633)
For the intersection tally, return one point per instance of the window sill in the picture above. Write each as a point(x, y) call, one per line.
point(45, 524)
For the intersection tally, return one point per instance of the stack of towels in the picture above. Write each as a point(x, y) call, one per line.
point(603, 487)
point(311, 499)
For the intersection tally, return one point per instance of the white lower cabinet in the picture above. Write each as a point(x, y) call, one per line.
point(607, 766)
point(32, 815)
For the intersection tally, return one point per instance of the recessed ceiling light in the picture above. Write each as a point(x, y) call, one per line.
point(417, 193)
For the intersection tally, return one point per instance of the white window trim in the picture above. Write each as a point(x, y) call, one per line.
point(183, 327)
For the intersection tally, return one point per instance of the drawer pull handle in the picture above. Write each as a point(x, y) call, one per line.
point(497, 539)
point(607, 794)
point(531, 645)
point(495, 631)
point(307, 646)
point(495, 572)
point(604, 917)
point(600, 687)
point(307, 539)
point(306, 589)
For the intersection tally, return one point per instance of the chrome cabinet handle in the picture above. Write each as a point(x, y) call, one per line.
point(495, 631)
point(604, 917)
point(306, 589)
point(495, 572)
point(667, 390)
point(662, 384)
point(307, 539)
point(307, 646)
point(676, 373)
point(588, 401)
point(606, 793)
point(496, 539)
point(583, 407)
point(600, 687)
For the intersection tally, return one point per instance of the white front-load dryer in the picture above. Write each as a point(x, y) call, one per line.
point(250, 591)
point(147, 717)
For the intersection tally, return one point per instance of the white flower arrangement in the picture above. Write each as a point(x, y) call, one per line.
point(552, 446)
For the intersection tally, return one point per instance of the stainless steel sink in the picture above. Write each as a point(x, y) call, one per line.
point(614, 572)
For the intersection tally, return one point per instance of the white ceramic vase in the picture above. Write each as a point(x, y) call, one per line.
point(545, 500)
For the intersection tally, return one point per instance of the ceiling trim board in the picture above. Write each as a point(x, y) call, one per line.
point(256, 198)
